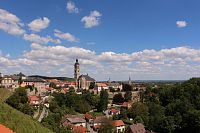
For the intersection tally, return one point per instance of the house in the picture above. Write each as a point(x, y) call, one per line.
point(114, 111)
point(73, 120)
point(119, 126)
point(10, 81)
point(4, 129)
point(79, 129)
point(89, 118)
point(116, 86)
point(38, 83)
point(97, 122)
point(84, 81)
point(33, 100)
point(136, 128)
point(100, 86)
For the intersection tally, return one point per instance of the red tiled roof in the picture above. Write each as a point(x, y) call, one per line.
point(4, 129)
point(79, 129)
point(118, 123)
point(33, 98)
point(88, 116)
point(114, 111)
point(102, 85)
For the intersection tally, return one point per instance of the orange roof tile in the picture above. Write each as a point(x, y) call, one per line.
point(88, 116)
point(102, 85)
point(33, 98)
point(4, 129)
point(118, 123)
point(79, 129)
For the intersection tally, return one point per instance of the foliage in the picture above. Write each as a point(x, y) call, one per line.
point(19, 100)
point(118, 98)
point(107, 127)
point(127, 87)
point(128, 96)
point(139, 109)
point(103, 103)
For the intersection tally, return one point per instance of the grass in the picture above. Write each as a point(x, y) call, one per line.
point(19, 122)
point(16, 120)
point(4, 94)
point(95, 114)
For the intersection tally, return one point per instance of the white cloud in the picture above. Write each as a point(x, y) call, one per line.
point(65, 36)
point(41, 40)
point(172, 63)
point(181, 24)
point(71, 7)
point(92, 20)
point(10, 23)
point(39, 24)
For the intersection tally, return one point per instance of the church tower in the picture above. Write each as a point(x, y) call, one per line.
point(76, 70)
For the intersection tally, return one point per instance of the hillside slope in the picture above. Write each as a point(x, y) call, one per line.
point(19, 122)
point(16, 120)
point(4, 94)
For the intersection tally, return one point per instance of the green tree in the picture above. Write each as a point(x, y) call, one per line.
point(139, 109)
point(128, 96)
point(103, 103)
point(118, 98)
point(127, 87)
point(107, 127)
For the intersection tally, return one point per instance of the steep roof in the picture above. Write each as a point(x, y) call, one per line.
point(118, 123)
point(87, 77)
point(4, 129)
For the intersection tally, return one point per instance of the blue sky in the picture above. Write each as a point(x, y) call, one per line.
point(118, 35)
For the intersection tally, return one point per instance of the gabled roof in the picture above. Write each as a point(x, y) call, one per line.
point(33, 98)
point(118, 123)
point(114, 111)
point(87, 77)
point(88, 116)
point(4, 129)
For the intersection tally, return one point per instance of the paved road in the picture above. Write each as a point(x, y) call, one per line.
point(43, 114)
point(90, 130)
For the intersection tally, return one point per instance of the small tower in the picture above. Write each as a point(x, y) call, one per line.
point(76, 70)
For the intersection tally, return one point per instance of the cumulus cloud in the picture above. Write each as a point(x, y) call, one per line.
point(71, 7)
point(92, 20)
point(65, 36)
point(10, 23)
point(39, 24)
point(41, 40)
point(172, 63)
point(181, 24)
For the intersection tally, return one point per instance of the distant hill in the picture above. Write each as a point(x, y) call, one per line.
point(58, 78)
point(16, 120)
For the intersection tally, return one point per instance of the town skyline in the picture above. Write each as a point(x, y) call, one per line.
point(114, 43)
